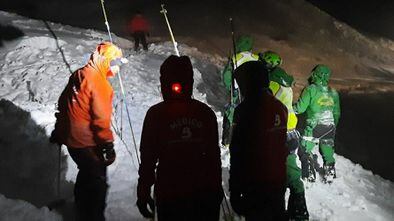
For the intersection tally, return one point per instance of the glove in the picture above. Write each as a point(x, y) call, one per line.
point(293, 140)
point(143, 207)
point(237, 203)
point(147, 34)
point(108, 153)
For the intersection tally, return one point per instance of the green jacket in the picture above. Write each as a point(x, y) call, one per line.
point(321, 104)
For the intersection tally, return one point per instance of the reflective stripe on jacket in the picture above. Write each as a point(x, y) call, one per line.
point(285, 95)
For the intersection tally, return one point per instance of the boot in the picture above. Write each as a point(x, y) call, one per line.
point(296, 207)
point(329, 173)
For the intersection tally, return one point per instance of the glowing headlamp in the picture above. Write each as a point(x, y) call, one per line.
point(176, 88)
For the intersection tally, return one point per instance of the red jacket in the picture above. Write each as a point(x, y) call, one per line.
point(180, 136)
point(138, 24)
point(85, 107)
point(258, 151)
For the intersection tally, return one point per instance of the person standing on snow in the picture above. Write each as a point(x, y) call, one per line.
point(243, 54)
point(180, 154)
point(321, 104)
point(280, 85)
point(83, 124)
point(139, 28)
point(258, 151)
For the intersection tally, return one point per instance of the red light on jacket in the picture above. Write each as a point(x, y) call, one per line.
point(177, 88)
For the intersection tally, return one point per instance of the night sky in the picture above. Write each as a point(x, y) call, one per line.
point(374, 18)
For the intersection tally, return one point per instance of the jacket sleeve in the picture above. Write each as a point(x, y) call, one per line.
point(101, 111)
point(149, 156)
point(303, 102)
point(337, 108)
point(227, 76)
point(235, 181)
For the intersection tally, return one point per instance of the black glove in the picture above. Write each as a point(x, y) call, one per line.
point(237, 203)
point(293, 140)
point(109, 153)
point(143, 207)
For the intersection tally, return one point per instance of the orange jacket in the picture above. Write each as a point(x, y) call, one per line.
point(85, 105)
point(138, 24)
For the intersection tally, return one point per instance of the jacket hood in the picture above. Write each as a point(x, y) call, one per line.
point(103, 55)
point(244, 43)
point(280, 76)
point(320, 75)
point(252, 78)
point(176, 78)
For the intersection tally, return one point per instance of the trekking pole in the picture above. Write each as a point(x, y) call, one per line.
point(121, 85)
point(164, 12)
point(129, 118)
point(235, 58)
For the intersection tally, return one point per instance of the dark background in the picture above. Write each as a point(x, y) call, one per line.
point(371, 17)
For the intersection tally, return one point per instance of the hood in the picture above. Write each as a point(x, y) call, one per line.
point(320, 75)
point(244, 43)
point(252, 78)
point(176, 78)
point(103, 55)
point(280, 76)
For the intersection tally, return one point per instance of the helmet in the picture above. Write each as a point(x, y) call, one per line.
point(320, 74)
point(244, 43)
point(280, 76)
point(271, 59)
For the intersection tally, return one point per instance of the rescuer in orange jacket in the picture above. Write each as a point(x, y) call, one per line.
point(139, 27)
point(180, 153)
point(83, 124)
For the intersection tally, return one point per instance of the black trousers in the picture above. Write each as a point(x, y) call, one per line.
point(189, 210)
point(140, 37)
point(260, 206)
point(90, 189)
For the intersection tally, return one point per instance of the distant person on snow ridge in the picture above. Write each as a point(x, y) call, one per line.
point(281, 86)
point(321, 104)
point(243, 54)
point(83, 125)
point(139, 28)
point(258, 151)
point(180, 154)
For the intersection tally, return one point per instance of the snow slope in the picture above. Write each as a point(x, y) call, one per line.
point(45, 61)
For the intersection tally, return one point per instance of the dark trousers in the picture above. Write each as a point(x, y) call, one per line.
point(265, 207)
point(90, 189)
point(140, 37)
point(189, 210)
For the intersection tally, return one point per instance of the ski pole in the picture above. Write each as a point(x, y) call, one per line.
point(235, 57)
point(129, 118)
point(121, 84)
point(106, 20)
point(164, 12)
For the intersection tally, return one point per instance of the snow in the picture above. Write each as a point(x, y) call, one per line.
point(28, 168)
